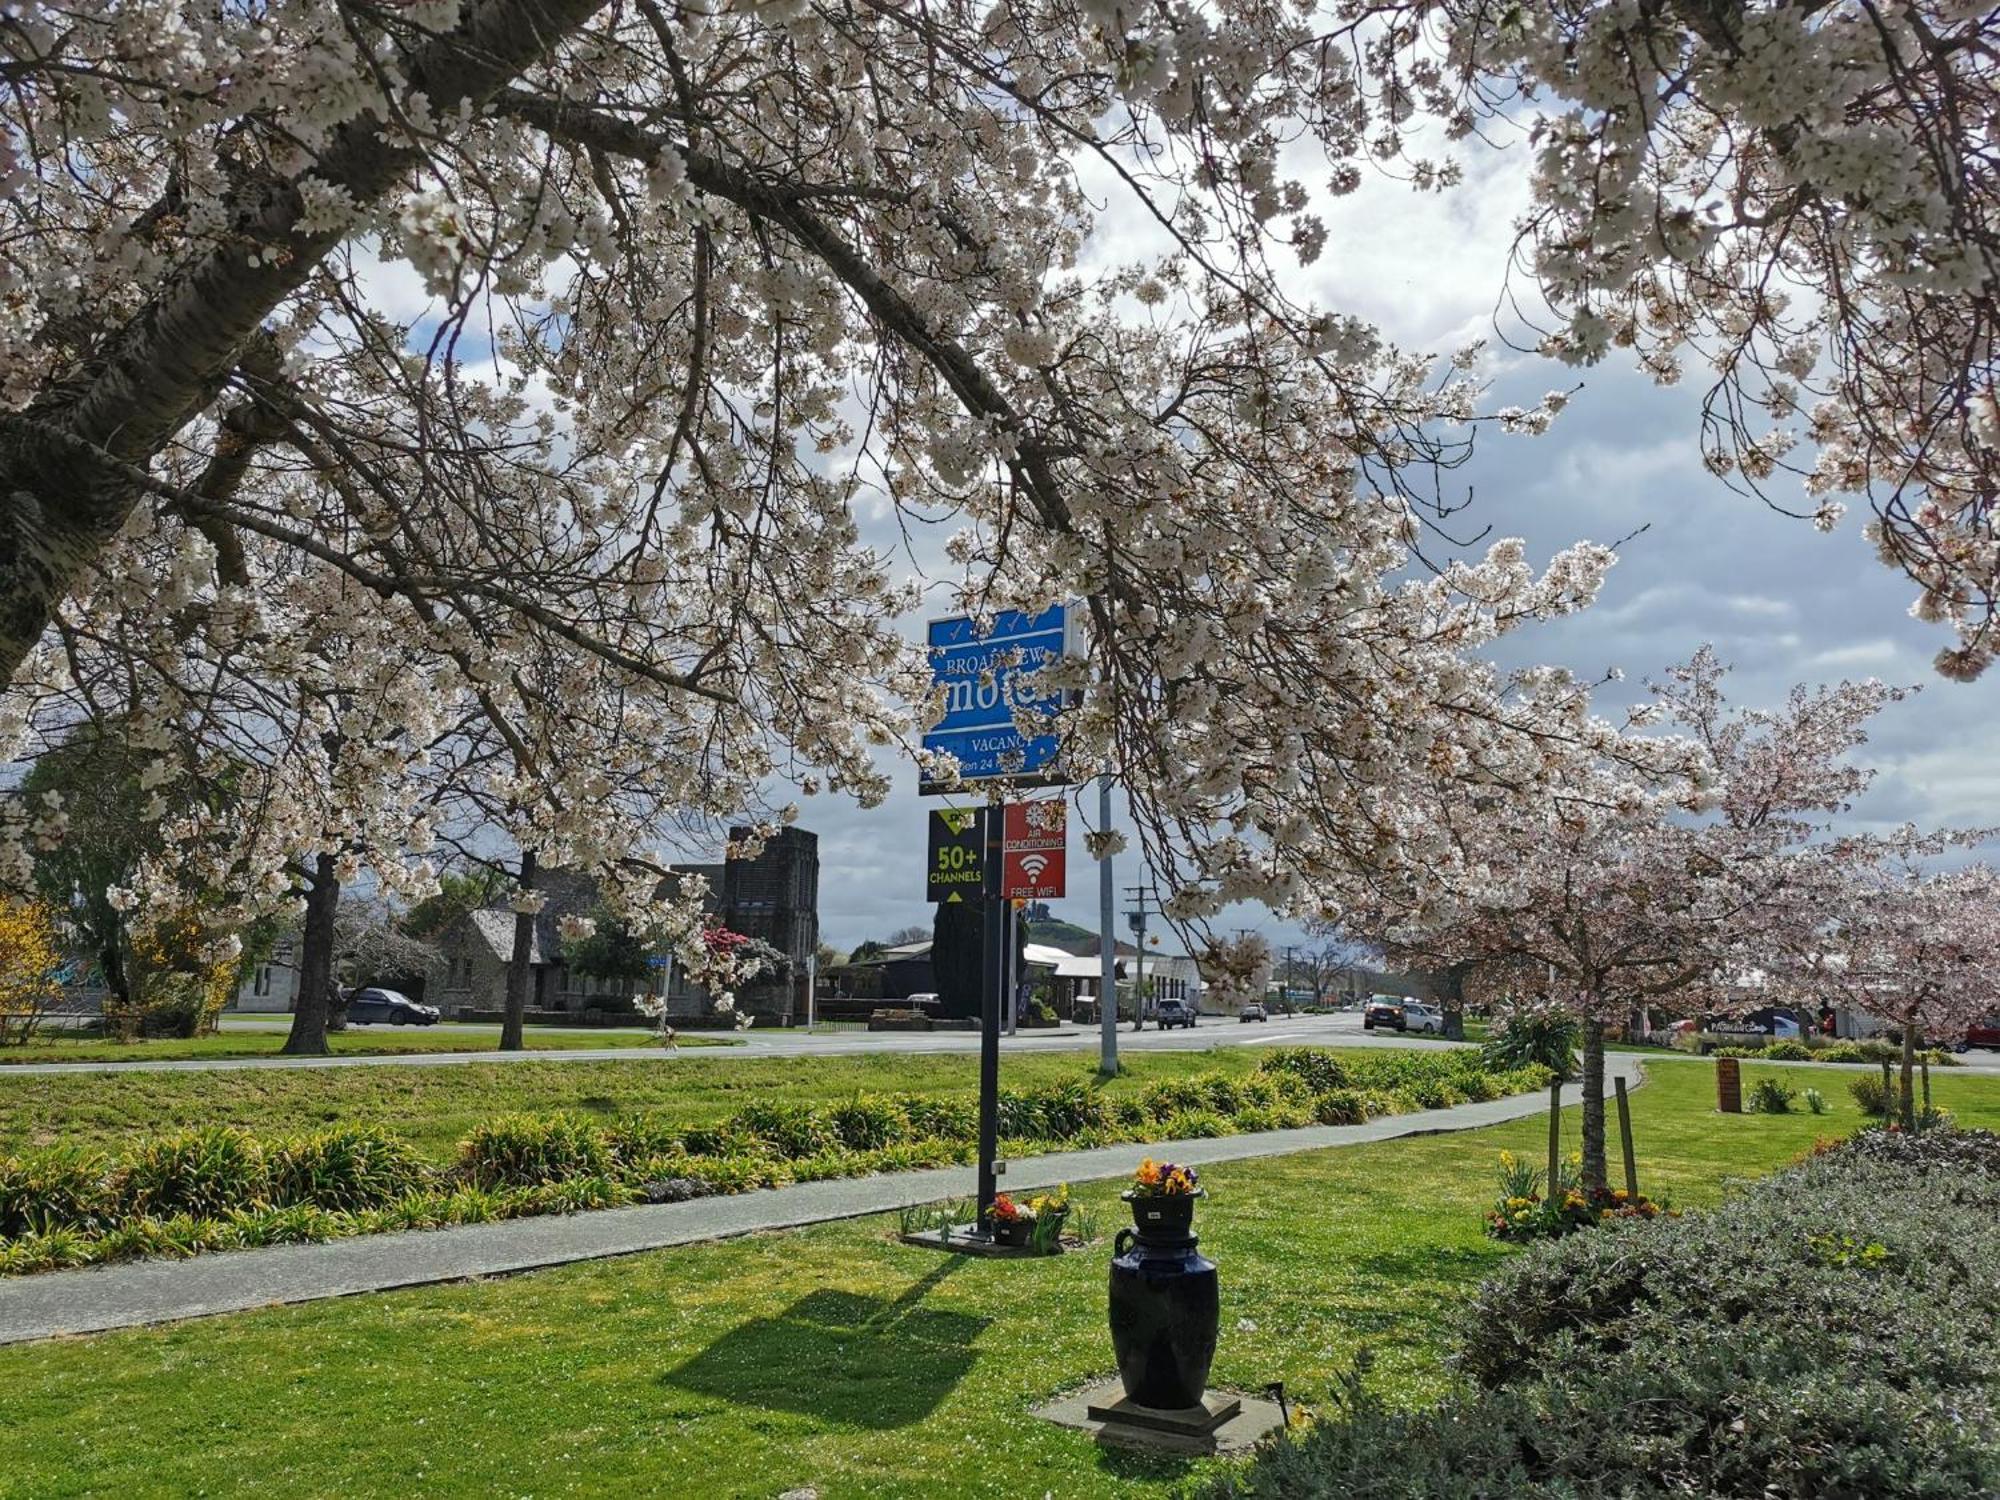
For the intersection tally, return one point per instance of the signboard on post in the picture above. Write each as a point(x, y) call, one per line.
point(1034, 847)
point(957, 865)
point(983, 677)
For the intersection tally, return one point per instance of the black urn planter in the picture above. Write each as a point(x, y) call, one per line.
point(1165, 1308)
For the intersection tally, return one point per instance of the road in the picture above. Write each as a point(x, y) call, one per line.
point(1341, 1030)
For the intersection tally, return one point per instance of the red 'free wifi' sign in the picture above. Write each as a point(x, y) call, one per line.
point(1034, 841)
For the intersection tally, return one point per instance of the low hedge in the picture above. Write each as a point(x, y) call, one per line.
point(221, 1187)
point(1820, 1049)
point(1826, 1333)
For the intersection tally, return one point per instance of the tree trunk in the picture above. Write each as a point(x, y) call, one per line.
point(1909, 1096)
point(308, 1036)
point(111, 959)
point(1594, 1165)
point(1453, 1002)
point(518, 967)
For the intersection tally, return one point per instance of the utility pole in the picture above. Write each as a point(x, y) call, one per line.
point(1141, 894)
point(1107, 944)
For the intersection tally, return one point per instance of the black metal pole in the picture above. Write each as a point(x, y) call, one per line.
point(991, 982)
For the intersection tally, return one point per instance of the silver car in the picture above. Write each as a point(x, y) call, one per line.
point(1422, 1019)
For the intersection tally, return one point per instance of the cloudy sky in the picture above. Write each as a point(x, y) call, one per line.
point(1780, 602)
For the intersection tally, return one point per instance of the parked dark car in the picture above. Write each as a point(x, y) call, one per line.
point(1984, 1033)
point(1387, 1013)
point(1172, 1013)
point(368, 1006)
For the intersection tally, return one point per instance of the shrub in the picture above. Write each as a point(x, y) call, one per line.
point(1194, 1125)
point(1434, 1093)
point(639, 1137)
point(1769, 1096)
point(1316, 1067)
point(1844, 1052)
point(292, 1224)
point(573, 1195)
point(868, 1122)
point(1871, 1095)
point(1052, 1112)
point(1258, 1091)
point(1341, 1107)
point(1678, 1357)
point(1480, 1087)
point(347, 1167)
point(203, 1172)
point(946, 1119)
point(789, 1130)
point(739, 1173)
point(1789, 1051)
point(1256, 1117)
point(61, 1188)
point(1815, 1101)
point(1219, 1092)
point(47, 1250)
point(1171, 1096)
point(528, 1150)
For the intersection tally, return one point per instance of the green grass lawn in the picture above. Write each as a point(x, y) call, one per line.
point(832, 1358)
point(436, 1106)
point(445, 1037)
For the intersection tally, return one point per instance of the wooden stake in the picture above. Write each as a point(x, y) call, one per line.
point(1625, 1140)
point(1555, 1133)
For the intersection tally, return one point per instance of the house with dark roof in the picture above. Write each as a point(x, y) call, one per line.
point(773, 896)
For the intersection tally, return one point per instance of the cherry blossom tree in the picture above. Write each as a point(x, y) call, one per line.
point(1624, 887)
point(1801, 199)
point(579, 540)
point(1915, 946)
point(572, 533)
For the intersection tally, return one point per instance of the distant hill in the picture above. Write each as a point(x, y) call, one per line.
point(1079, 940)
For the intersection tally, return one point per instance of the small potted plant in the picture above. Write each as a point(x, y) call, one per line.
point(1162, 1196)
point(1012, 1222)
point(1048, 1213)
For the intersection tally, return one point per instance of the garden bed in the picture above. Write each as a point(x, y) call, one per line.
point(1826, 1332)
point(223, 1187)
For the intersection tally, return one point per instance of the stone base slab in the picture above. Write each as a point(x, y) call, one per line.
point(963, 1239)
point(1225, 1422)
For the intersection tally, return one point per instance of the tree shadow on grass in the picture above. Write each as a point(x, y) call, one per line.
point(1424, 1263)
point(861, 1361)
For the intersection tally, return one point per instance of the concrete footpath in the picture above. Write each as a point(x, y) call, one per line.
point(98, 1298)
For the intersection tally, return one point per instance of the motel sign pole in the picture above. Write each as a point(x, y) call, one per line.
point(995, 909)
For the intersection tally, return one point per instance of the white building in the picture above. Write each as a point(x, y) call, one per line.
point(274, 984)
